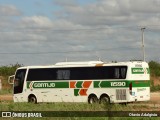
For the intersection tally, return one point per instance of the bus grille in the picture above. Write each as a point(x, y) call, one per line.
point(120, 94)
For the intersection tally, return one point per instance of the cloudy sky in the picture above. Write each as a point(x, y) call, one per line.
point(40, 32)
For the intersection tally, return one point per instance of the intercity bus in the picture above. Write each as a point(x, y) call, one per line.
point(91, 82)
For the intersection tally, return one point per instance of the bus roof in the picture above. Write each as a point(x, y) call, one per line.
point(85, 64)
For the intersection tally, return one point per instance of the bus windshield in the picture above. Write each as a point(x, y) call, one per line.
point(19, 80)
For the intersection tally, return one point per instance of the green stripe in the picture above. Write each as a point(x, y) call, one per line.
point(49, 84)
point(124, 83)
point(96, 83)
point(140, 71)
point(76, 92)
point(79, 84)
point(28, 83)
point(141, 83)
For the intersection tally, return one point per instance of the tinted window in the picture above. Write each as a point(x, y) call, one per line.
point(63, 74)
point(78, 73)
point(41, 74)
point(19, 80)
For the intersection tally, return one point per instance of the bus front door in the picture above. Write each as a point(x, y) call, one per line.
point(18, 84)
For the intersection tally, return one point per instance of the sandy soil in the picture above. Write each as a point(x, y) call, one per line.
point(155, 97)
point(6, 97)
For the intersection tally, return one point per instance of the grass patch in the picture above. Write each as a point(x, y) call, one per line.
point(155, 88)
point(11, 106)
point(6, 91)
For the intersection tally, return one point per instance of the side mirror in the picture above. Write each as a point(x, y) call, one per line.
point(11, 79)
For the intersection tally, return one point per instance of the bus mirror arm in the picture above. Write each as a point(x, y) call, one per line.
point(11, 79)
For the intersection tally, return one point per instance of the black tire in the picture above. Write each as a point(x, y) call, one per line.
point(125, 104)
point(32, 99)
point(105, 100)
point(92, 99)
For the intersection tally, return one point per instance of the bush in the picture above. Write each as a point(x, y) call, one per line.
point(154, 68)
point(155, 74)
point(8, 70)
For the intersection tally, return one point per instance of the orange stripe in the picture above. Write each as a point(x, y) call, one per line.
point(83, 92)
point(86, 84)
point(72, 84)
point(99, 65)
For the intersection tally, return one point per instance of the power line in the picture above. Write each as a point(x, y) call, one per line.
point(38, 29)
point(64, 30)
point(60, 52)
point(48, 52)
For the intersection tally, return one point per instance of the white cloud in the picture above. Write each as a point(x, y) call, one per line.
point(36, 21)
point(106, 28)
point(9, 10)
point(65, 2)
point(111, 12)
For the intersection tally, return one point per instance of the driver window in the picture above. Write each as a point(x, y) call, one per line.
point(19, 77)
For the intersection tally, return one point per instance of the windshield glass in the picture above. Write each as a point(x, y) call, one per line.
point(19, 80)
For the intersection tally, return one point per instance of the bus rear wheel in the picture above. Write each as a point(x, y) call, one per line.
point(105, 99)
point(32, 99)
point(92, 99)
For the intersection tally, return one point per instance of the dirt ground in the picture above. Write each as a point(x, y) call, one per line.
point(6, 97)
point(155, 97)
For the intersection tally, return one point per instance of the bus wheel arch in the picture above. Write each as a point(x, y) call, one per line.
point(92, 98)
point(32, 98)
point(104, 98)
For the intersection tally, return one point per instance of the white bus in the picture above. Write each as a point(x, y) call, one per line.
point(92, 81)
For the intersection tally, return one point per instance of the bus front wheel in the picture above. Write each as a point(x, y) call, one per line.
point(32, 99)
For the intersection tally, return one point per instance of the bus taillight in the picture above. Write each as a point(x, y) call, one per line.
point(130, 88)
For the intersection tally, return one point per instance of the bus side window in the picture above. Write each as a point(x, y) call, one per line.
point(116, 73)
point(120, 72)
point(123, 72)
point(63, 74)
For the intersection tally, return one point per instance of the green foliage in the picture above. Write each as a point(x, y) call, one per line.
point(8, 70)
point(155, 88)
point(155, 72)
point(8, 90)
point(154, 68)
point(66, 106)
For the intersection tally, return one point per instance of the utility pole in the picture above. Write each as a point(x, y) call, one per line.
point(143, 48)
point(66, 59)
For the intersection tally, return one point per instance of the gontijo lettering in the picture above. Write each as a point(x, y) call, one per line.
point(44, 85)
point(140, 70)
